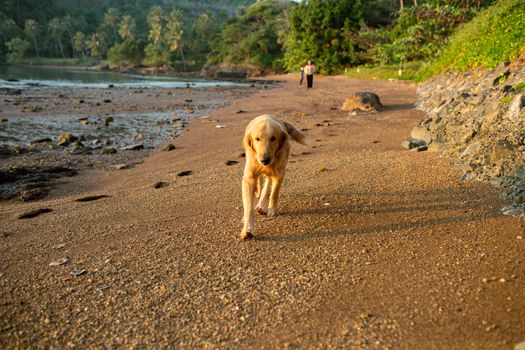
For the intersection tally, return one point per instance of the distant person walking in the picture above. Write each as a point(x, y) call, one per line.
point(309, 69)
point(302, 76)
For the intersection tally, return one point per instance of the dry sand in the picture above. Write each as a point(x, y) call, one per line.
point(375, 247)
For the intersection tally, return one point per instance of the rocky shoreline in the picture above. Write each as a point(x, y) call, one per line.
point(47, 134)
point(478, 119)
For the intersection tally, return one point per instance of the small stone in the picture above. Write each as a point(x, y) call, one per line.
point(78, 272)
point(109, 150)
point(121, 166)
point(107, 100)
point(42, 140)
point(111, 86)
point(102, 288)
point(220, 126)
point(502, 280)
point(59, 262)
point(58, 246)
point(108, 120)
point(2, 274)
point(83, 121)
point(133, 147)
point(364, 316)
point(231, 162)
point(168, 147)
point(66, 139)
point(3, 120)
point(519, 237)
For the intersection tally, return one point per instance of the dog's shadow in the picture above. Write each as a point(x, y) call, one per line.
point(429, 209)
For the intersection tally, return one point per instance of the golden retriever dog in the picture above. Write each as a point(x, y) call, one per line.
point(267, 142)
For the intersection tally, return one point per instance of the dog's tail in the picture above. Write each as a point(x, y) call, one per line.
point(295, 134)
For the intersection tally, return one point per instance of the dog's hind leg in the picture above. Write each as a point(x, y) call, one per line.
point(264, 197)
point(277, 181)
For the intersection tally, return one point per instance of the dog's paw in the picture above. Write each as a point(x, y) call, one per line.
point(261, 211)
point(245, 235)
point(271, 212)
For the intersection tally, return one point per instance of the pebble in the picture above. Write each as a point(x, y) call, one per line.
point(109, 150)
point(59, 262)
point(2, 274)
point(79, 272)
point(168, 147)
point(133, 147)
point(121, 166)
point(58, 246)
point(220, 126)
point(231, 162)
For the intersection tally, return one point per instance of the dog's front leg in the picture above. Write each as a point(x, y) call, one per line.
point(262, 206)
point(248, 194)
point(277, 181)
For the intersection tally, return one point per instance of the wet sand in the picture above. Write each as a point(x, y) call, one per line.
point(375, 247)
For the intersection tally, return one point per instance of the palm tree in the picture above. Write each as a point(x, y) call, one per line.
point(156, 25)
point(110, 23)
point(94, 44)
point(55, 29)
point(174, 34)
point(31, 30)
point(126, 28)
point(79, 43)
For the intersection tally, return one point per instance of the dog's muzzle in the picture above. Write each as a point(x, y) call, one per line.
point(266, 161)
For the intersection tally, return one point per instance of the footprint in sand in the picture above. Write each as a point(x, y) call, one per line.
point(35, 213)
point(185, 173)
point(160, 184)
point(91, 198)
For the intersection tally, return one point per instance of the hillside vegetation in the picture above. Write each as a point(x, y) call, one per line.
point(496, 35)
point(269, 35)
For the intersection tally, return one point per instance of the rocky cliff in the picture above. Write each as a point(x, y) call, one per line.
point(478, 119)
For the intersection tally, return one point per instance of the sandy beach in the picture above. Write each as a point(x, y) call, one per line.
point(375, 247)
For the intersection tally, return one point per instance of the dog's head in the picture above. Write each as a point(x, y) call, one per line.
point(265, 138)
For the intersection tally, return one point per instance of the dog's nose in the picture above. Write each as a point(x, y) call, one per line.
point(266, 161)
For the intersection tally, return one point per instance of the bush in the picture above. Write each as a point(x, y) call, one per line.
point(157, 56)
point(496, 35)
point(129, 53)
point(17, 49)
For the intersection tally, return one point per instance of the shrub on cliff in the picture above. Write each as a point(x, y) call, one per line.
point(494, 36)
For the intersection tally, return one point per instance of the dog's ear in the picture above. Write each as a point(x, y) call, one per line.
point(295, 134)
point(282, 140)
point(248, 142)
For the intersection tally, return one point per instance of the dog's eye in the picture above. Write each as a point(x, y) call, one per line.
point(257, 139)
point(272, 139)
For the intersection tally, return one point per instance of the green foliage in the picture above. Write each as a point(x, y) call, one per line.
point(507, 99)
point(321, 30)
point(494, 36)
point(419, 33)
point(519, 87)
point(129, 53)
point(157, 56)
point(384, 72)
point(17, 48)
point(254, 37)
